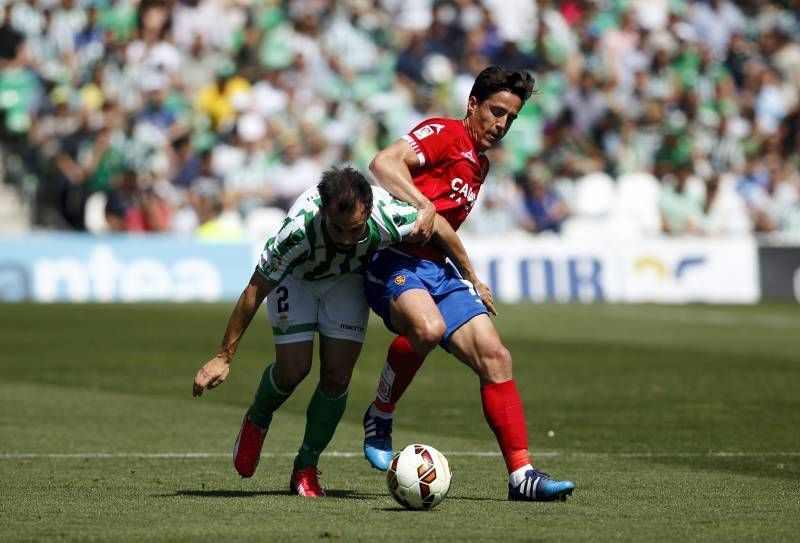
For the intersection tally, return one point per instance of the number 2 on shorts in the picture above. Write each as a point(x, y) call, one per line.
point(283, 299)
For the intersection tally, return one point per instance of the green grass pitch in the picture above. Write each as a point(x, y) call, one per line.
point(676, 423)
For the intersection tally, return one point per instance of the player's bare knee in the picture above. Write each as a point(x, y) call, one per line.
point(495, 364)
point(427, 335)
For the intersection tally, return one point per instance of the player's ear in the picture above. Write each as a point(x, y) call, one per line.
point(472, 104)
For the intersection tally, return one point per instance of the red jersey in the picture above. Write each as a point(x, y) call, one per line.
point(450, 175)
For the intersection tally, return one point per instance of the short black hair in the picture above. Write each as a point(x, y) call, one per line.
point(494, 79)
point(344, 189)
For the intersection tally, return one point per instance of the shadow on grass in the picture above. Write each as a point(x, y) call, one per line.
point(401, 509)
point(224, 493)
point(475, 499)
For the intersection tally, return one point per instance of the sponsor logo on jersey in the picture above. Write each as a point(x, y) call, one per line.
point(428, 130)
point(462, 193)
point(400, 280)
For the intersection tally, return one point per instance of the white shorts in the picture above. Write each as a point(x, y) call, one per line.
point(336, 307)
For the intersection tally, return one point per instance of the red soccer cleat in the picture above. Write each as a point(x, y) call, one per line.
point(305, 482)
point(247, 450)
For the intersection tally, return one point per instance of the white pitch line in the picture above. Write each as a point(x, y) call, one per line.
point(343, 454)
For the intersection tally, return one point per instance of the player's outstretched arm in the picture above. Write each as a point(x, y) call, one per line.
point(392, 169)
point(215, 371)
point(448, 241)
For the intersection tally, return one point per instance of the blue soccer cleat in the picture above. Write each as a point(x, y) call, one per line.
point(377, 440)
point(538, 486)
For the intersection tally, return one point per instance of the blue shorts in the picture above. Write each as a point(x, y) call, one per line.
point(390, 273)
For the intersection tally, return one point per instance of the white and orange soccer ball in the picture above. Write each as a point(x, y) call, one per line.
point(419, 477)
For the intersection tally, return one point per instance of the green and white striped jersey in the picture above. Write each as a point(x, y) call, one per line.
point(303, 248)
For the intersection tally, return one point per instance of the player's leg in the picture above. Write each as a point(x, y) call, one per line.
point(293, 362)
point(343, 315)
point(415, 315)
point(327, 405)
point(405, 304)
point(478, 345)
point(401, 365)
point(293, 313)
point(325, 410)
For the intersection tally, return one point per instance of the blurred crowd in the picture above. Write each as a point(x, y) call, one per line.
point(211, 116)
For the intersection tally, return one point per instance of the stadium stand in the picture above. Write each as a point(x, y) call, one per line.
point(651, 117)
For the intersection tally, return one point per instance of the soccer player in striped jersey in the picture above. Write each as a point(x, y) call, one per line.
point(439, 167)
point(311, 275)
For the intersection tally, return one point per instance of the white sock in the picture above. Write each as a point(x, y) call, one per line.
point(517, 476)
point(375, 412)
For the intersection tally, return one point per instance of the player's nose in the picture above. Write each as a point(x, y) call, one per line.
point(503, 124)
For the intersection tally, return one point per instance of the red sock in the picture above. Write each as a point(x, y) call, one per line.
point(401, 365)
point(502, 408)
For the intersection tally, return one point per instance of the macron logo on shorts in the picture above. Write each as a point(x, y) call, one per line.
point(351, 327)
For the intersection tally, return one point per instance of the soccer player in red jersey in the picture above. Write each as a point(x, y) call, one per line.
point(439, 167)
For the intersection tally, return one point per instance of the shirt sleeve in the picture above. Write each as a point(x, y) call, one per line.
point(284, 252)
point(431, 141)
point(394, 219)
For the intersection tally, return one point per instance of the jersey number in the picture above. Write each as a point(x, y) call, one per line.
point(283, 299)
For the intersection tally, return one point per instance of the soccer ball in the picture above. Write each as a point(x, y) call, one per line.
point(418, 477)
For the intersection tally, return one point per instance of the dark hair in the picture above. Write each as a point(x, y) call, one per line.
point(345, 189)
point(146, 5)
point(494, 79)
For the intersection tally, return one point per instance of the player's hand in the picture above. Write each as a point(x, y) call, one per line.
point(486, 295)
point(211, 375)
point(423, 227)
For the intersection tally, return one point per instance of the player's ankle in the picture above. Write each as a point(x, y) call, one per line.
point(518, 475)
point(381, 408)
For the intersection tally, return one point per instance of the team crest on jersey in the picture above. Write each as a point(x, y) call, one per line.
point(427, 130)
point(400, 280)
